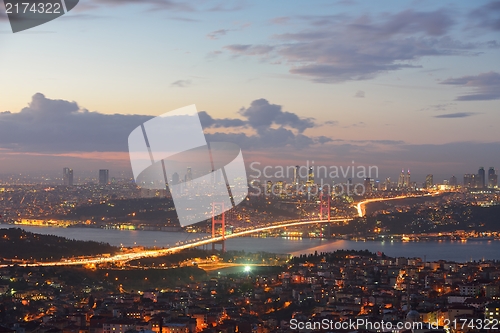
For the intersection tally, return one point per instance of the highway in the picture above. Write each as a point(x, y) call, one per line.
point(360, 207)
point(124, 257)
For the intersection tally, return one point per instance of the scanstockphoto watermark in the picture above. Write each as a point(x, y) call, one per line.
point(360, 323)
point(311, 179)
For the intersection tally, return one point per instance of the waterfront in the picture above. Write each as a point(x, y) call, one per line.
point(432, 250)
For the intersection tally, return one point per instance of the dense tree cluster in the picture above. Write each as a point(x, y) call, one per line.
point(17, 243)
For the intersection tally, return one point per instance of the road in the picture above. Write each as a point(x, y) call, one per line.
point(360, 207)
point(161, 252)
point(124, 257)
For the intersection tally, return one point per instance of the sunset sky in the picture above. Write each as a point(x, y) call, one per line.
point(397, 84)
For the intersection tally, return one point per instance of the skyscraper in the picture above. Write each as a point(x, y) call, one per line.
point(429, 181)
point(189, 174)
point(481, 181)
point(453, 181)
point(68, 177)
point(401, 180)
point(408, 180)
point(296, 175)
point(492, 178)
point(468, 180)
point(368, 185)
point(103, 176)
point(310, 177)
point(388, 184)
point(269, 187)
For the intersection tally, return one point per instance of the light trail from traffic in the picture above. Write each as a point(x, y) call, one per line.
point(360, 207)
point(161, 252)
point(124, 257)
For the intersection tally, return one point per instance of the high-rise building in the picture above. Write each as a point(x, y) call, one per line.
point(408, 179)
point(429, 181)
point(68, 177)
point(492, 178)
point(269, 187)
point(368, 185)
point(388, 184)
point(401, 180)
point(296, 176)
point(189, 174)
point(103, 176)
point(310, 176)
point(481, 178)
point(453, 181)
point(175, 178)
point(468, 181)
point(279, 187)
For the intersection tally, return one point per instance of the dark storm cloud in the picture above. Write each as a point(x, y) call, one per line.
point(456, 115)
point(484, 87)
point(57, 126)
point(338, 48)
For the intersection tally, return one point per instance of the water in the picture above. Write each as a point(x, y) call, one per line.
point(432, 250)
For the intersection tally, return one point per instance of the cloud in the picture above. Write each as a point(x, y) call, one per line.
point(248, 49)
point(456, 115)
point(154, 4)
point(224, 7)
point(338, 48)
point(358, 124)
point(438, 107)
point(360, 94)
point(49, 133)
point(218, 33)
point(331, 122)
point(269, 138)
point(170, 5)
point(485, 86)
point(486, 16)
point(51, 126)
point(47, 125)
point(181, 83)
point(282, 20)
point(207, 121)
point(262, 115)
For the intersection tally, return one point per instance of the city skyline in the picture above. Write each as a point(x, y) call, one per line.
point(296, 177)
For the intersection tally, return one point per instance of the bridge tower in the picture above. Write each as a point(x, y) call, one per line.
point(325, 204)
point(222, 222)
point(327, 207)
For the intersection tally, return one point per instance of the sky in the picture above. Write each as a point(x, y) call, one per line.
point(394, 84)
